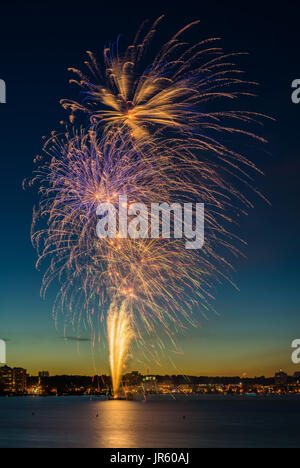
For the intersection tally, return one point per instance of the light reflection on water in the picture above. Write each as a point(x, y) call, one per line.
point(209, 422)
point(117, 423)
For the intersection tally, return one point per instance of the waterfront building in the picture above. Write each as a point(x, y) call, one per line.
point(20, 379)
point(6, 379)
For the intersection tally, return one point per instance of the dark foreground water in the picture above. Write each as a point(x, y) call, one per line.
point(158, 423)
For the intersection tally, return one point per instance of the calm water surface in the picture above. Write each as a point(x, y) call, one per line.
point(208, 422)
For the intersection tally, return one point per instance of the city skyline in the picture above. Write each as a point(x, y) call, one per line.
point(135, 386)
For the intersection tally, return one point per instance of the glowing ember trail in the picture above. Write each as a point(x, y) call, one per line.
point(120, 334)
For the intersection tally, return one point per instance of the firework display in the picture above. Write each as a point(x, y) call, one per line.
point(151, 138)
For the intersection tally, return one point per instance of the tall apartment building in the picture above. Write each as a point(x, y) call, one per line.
point(19, 379)
point(6, 379)
point(12, 380)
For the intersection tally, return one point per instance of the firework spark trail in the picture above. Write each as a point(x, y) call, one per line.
point(84, 171)
point(173, 92)
point(137, 286)
point(120, 334)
